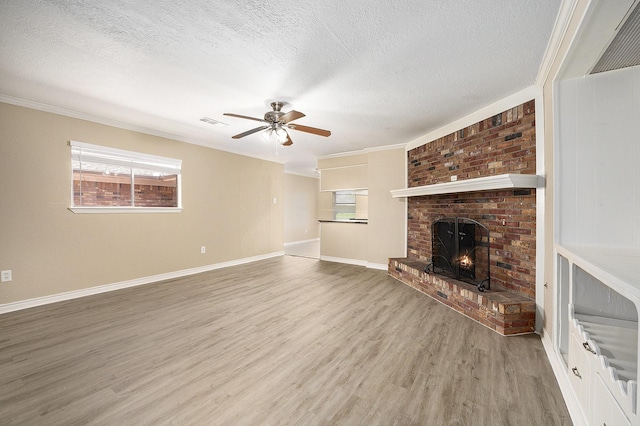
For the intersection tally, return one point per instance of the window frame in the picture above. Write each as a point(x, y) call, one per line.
point(336, 211)
point(348, 192)
point(129, 159)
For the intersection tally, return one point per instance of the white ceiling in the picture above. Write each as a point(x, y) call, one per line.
point(374, 72)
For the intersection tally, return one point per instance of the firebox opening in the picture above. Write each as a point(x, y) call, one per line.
point(460, 250)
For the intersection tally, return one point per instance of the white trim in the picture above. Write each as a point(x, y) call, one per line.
point(560, 27)
point(45, 300)
point(91, 210)
point(364, 188)
point(505, 181)
point(379, 266)
point(315, 176)
point(406, 207)
point(344, 167)
point(497, 107)
point(293, 243)
point(559, 370)
point(369, 265)
point(363, 151)
point(540, 214)
point(344, 260)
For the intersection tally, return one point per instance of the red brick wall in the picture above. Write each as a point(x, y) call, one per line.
point(504, 143)
point(108, 194)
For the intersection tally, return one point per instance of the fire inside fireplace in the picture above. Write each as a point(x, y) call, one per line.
point(460, 250)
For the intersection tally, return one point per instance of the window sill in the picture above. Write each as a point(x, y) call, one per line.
point(125, 209)
point(365, 221)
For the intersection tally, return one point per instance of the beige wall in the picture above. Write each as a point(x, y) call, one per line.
point(325, 205)
point(387, 215)
point(344, 240)
point(300, 208)
point(384, 236)
point(227, 200)
point(344, 178)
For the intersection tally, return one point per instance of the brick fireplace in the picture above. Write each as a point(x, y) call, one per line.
point(500, 145)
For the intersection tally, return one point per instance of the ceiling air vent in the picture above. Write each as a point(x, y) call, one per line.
point(214, 122)
point(624, 50)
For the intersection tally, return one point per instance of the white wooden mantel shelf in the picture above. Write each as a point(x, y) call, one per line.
point(488, 183)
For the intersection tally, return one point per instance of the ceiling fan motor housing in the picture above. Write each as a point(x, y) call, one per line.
point(274, 116)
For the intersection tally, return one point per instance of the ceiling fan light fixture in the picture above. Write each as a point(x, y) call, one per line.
point(275, 125)
point(281, 134)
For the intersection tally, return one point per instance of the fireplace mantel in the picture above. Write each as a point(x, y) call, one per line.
point(488, 183)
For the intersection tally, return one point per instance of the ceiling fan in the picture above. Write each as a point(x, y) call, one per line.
point(277, 123)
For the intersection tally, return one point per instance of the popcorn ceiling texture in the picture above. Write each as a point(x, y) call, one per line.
point(375, 73)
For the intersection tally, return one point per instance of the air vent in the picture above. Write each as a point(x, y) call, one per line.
point(214, 122)
point(624, 50)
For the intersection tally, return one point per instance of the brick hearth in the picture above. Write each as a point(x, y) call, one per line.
point(502, 310)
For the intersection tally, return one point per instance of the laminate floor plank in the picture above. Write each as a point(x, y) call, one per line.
point(289, 340)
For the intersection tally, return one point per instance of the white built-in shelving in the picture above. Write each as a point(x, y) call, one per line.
point(602, 329)
point(597, 222)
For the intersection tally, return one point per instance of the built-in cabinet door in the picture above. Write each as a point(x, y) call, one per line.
point(606, 410)
point(580, 372)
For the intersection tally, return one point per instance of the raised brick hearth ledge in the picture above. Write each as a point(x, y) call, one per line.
point(502, 310)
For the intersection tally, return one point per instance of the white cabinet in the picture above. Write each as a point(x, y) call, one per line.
point(602, 326)
point(606, 410)
point(580, 369)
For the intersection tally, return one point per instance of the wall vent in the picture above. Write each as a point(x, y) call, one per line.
point(624, 49)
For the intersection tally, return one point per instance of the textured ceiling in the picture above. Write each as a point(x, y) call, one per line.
point(373, 72)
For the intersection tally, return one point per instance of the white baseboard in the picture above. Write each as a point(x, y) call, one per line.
point(357, 262)
point(293, 243)
point(560, 371)
point(45, 300)
point(344, 260)
point(379, 266)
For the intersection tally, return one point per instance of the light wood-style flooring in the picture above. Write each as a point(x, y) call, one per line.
point(288, 340)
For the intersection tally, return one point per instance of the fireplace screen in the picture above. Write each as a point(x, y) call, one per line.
point(460, 250)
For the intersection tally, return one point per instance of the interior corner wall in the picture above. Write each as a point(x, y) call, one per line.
point(51, 250)
point(384, 234)
point(387, 216)
point(300, 208)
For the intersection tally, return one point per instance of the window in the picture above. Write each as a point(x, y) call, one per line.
point(350, 205)
point(113, 180)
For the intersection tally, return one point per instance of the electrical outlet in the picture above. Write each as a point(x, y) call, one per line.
point(5, 276)
point(203, 249)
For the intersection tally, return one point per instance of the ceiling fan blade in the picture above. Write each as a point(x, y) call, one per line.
point(308, 129)
point(288, 142)
point(249, 132)
point(290, 116)
point(244, 116)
